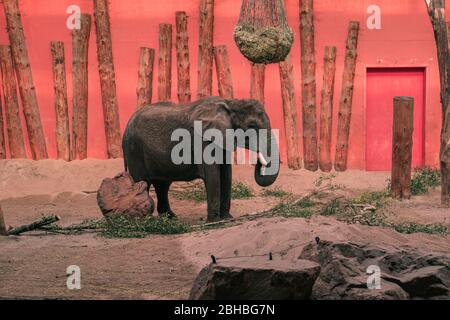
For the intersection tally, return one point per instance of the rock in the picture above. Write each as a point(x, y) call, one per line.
point(121, 195)
point(255, 278)
point(404, 274)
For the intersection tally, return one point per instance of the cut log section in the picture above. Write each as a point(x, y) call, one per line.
point(345, 103)
point(223, 72)
point(25, 79)
point(402, 141)
point(13, 123)
point(165, 62)
point(183, 64)
point(257, 81)
point(107, 79)
point(308, 63)
point(61, 108)
point(205, 48)
point(326, 109)
point(144, 89)
point(80, 48)
point(290, 113)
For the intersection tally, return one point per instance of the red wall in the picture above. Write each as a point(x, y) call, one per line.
point(406, 39)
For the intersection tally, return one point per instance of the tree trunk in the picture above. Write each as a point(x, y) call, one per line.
point(183, 65)
point(257, 79)
point(144, 89)
point(80, 48)
point(345, 104)
point(61, 108)
point(13, 123)
point(165, 62)
point(402, 141)
point(308, 85)
point(205, 48)
point(436, 11)
point(107, 79)
point(25, 79)
point(326, 109)
point(2, 131)
point(223, 72)
point(290, 113)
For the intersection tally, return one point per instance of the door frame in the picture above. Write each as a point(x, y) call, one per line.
point(426, 71)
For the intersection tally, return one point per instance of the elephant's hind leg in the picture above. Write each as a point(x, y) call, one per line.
point(162, 194)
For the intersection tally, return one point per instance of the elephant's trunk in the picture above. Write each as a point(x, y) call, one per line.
point(268, 164)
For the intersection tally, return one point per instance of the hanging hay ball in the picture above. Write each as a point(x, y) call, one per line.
point(262, 33)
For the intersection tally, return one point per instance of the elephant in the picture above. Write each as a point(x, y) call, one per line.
point(148, 144)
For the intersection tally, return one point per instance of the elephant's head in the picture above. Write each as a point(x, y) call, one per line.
point(251, 118)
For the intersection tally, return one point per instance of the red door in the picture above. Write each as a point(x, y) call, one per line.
point(383, 84)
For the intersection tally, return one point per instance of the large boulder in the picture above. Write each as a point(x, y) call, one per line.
point(255, 278)
point(404, 274)
point(122, 196)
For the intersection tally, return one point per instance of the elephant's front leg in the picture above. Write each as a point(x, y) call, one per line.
point(212, 185)
point(225, 191)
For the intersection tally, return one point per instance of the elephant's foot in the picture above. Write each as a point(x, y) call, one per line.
point(170, 214)
point(213, 218)
point(226, 216)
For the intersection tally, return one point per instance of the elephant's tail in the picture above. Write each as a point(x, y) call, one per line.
point(125, 164)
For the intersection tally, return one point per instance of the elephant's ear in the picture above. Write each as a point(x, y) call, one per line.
point(213, 115)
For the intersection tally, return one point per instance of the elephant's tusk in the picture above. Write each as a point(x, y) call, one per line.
point(262, 159)
point(263, 171)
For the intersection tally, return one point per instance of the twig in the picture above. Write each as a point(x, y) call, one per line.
point(33, 226)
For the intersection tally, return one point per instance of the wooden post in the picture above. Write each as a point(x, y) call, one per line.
point(144, 89)
point(308, 85)
point(3, 228)
point(402, 141)
point(2, 131)
point(107, 79)
point(25, 79)
point(326, 109)
point(183, 64)
point(290, 113)
point(80, 48)
point(165, 62)
point(13, 124)
point(257, 79)
point(223, 72)
point(61, 108)
point(205, 48)
point(345, 104)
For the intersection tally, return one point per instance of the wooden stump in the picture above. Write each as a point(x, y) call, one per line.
point(257, 81)
point(402, 141)
point(183, 64)
point(326, 109)
point(290, 113)
point(80, 48)
point(2, 136)
point(3, 228)
point(144, 90)
point(61, 108)
point(25, 80)
point(345, 104)
point(205, 48)
point(107, 79)
point(223, 72)
point(165, 62)
point(308, 85)
point(13, 123)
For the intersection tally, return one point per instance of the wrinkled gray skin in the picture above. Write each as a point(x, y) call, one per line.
point(147, 148)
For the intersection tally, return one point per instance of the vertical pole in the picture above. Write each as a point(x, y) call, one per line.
point(165, 62)
point(2, 131)
point(205, 48)
point(223, 72)
point(257, 79)
point(144, 90)
point(326, 109)
point(402, 141)
point(183, 64)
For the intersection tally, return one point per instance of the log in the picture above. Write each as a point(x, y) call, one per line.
point(183, 64)
point(205, 48)
point(61, 106)
point(257, 81)
point(345, 103)
point(144, 90)
point(2, 132)
point(25, 80)
point(326, 109)
point(402, 141)
point(290, 113)
point(44, 221)
point(308, 63)
point(223, 71)
point(107, 79)
point(3, 229)
point(165, 62)
point(13, 123)
point(80, 48)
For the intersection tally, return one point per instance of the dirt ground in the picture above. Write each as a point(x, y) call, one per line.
point(163, 267)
